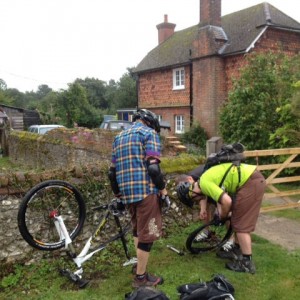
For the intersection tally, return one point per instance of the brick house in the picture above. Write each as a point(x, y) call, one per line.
point(187, 77)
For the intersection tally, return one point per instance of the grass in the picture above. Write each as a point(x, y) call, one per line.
point(277, 274)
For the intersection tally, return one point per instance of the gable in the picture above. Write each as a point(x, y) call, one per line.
point(239, 31)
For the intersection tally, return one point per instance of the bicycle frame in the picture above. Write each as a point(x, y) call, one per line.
point(85, 255)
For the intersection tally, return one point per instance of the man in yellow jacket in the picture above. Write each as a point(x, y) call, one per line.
point(238, 190)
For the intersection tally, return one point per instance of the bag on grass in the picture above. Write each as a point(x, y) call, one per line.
point(146, 293)
point(219, 288)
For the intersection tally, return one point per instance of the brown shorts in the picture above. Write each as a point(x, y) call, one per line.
point(247, 204)
point(146, 219)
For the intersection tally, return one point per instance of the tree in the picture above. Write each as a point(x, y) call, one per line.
point(126, 95)
point(288, 134)
point(73, 108)
point(3, 85)
point(4, 98)
point(264, 88)
point(18, 98)
point(43, 90)
point(95, 91)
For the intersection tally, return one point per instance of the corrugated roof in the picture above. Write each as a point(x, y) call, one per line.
point(239, 29)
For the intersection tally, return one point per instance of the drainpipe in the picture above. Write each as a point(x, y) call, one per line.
point(191, 92)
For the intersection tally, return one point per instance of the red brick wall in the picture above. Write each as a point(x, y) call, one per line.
point(271, 40)
point(156, 93)
point(209, 91)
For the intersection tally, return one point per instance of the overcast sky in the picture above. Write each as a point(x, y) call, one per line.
point(54, 42)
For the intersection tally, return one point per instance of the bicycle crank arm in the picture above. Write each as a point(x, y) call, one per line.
point(175, 250)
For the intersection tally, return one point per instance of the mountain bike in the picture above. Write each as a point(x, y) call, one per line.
point(52, 214)
point(210, 236)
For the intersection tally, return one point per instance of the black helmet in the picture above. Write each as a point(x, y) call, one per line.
point(182, 190)
point(148, 117)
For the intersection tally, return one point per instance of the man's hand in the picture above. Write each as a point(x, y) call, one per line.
point(217, 220)
point(165, 202)
point(203, 215)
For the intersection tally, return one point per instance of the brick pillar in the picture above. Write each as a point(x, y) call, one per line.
point(210, 12)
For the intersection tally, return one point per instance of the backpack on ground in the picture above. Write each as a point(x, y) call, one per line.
point(216, 289)
point(146, 293)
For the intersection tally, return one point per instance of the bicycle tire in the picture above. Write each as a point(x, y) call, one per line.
point(34, 222)
point(217, 236)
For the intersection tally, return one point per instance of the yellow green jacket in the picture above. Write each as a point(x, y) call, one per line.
point(210, 180)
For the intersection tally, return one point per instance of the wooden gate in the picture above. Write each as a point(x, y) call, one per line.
point(289, 154)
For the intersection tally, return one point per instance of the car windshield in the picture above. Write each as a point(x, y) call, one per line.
point(46, 129)
point(119, 125)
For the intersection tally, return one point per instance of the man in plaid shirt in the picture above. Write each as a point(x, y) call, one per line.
point(136, 178)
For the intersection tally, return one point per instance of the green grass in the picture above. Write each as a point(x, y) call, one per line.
point(277, 274)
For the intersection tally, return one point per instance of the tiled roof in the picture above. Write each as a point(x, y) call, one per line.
point(239, 29)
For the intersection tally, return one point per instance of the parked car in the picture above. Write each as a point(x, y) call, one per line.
point(42, 129)
point(116, 125)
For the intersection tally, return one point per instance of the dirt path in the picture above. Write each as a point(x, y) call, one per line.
point(279, 231)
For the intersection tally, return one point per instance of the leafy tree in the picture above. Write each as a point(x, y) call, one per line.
point(4, 97)
point(43, 90)
point(18, 98)
point(95, 90)
point(289, 133)
point(126, 96)
point(72, 107)
point(122, 94)
point(196, 136)
point(264, 88)
point(3, 85)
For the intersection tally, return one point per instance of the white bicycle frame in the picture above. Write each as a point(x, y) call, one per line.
point(84, 255)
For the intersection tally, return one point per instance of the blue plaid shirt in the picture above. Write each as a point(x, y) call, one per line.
point(130, 149)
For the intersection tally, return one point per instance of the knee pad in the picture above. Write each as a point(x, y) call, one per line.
point(144, 246)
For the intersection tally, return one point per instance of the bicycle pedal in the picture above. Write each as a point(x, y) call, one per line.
point(82, 283)
point(131, 261)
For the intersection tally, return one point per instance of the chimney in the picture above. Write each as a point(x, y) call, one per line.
point(165, 30)
point(210, 12)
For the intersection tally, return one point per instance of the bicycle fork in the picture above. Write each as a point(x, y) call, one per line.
point(63, 233)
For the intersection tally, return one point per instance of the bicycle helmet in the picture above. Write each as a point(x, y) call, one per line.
point(148, 117)
point(183, 191)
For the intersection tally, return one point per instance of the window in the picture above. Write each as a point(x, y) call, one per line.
point(178, 78)
point(179, 124)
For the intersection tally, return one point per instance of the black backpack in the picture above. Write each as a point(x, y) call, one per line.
point(229, 153)
point(146, 293)
point(233, 153)
point(218, 288)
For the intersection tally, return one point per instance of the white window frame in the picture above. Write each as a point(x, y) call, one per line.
point(179, 124)
point(178, 79)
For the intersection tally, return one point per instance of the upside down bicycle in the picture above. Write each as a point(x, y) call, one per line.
point(210, 236)
point(52, 214)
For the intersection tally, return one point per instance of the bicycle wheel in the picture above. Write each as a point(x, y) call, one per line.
point(51, 196)
point(208, 237)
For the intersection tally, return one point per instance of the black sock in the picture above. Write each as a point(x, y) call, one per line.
point(140, 277)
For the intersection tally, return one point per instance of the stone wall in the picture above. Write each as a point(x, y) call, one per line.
point(15, 249)
point(61, 148)
point(78, 156)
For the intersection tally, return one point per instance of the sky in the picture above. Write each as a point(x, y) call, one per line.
point(54, 42)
